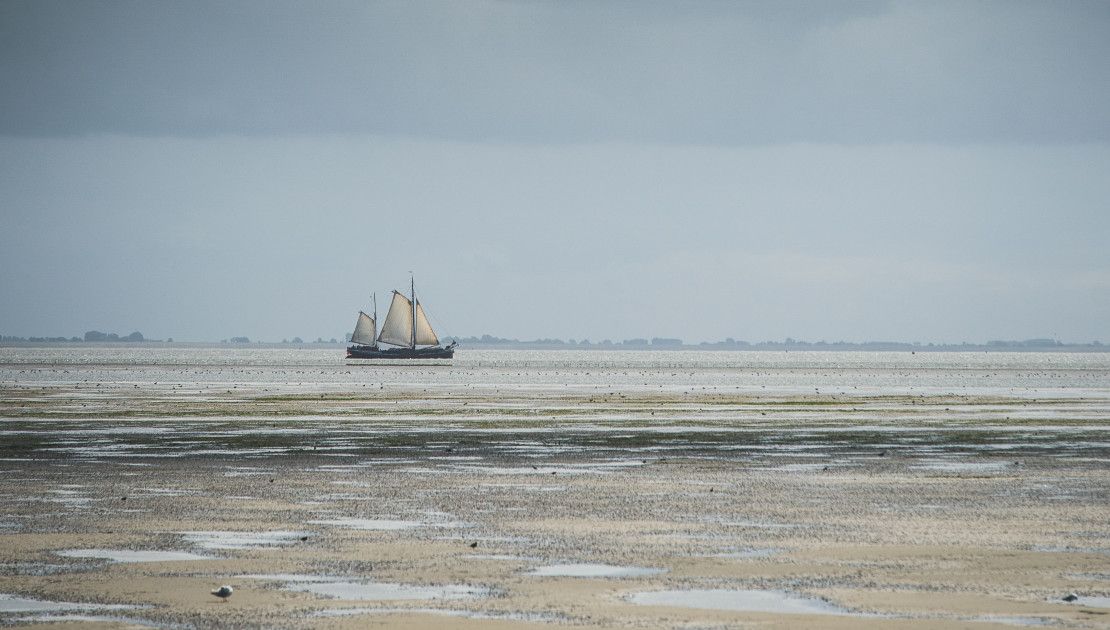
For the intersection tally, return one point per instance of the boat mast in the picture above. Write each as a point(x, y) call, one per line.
point(413, 288)
point(374, 298)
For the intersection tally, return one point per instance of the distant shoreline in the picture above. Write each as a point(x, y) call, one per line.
point(703, 347)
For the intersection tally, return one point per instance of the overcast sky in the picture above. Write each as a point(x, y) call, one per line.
point(860, 170)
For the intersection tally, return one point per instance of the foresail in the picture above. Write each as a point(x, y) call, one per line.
point(425, 336)
point(364, 330)
point(397, 327)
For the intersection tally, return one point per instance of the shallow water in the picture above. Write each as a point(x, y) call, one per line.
point(1093, 601)
point(194, 371)
point(739, 600)
point(13, 603)
point(52, 618)
point(131, 555)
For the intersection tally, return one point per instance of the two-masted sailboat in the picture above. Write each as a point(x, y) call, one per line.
point(405, 327)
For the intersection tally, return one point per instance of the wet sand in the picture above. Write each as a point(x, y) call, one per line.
point(410, 497)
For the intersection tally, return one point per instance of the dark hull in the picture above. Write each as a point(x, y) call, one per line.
point(365, 352)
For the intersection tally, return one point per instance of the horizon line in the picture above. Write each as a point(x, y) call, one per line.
point(570, 342)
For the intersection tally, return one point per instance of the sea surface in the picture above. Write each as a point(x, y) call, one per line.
point(942, 411)
point(1029, 374)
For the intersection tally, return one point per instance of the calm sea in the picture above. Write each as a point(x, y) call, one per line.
point(1030, 374)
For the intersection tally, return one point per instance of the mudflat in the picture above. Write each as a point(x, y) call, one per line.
point(535, 489)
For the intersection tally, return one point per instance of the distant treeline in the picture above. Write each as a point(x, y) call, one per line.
point(96, 335)
point(92, 335)
point(666, 343)
point(12, 338)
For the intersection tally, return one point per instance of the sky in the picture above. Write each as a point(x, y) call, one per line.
point(932, 171)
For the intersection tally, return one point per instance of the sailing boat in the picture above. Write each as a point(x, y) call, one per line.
point(406, 327)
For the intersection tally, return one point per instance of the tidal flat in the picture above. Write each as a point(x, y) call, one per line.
point(684, 489)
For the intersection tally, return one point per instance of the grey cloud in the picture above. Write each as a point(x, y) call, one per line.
point(700, 73)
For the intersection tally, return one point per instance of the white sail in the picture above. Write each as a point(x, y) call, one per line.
point(397, 327)
point(365, 328)
point(425, 336)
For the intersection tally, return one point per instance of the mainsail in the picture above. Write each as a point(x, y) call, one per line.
point(397, 328)
point(425, 336)
point(365, 329)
